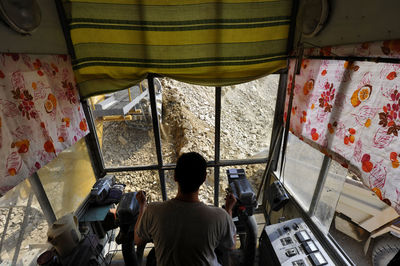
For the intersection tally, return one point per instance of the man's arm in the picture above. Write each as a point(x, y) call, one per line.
point(230, 202)
point(141, 198)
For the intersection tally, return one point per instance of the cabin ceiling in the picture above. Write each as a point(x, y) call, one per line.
point(48, 38)
point(355, 21)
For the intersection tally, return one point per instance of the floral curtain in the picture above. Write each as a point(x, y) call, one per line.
point(351, 112)
point(40, 113)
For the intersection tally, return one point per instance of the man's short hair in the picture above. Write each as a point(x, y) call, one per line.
point(190, 171)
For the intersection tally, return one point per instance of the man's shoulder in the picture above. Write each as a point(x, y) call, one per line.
point(216, 211)
point(177, 205)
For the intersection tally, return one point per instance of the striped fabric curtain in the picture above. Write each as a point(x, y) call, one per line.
point(215, 43)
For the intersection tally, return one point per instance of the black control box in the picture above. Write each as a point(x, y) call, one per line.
point(278, 196)
point(101, 188)
point(242, 190)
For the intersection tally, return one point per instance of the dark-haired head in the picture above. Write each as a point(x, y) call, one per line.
point(190, 172)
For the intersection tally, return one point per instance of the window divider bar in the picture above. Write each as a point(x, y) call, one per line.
point(92, 143)
point(217, 143)
point(156, 131)
point(266, 174)
point(172, 166)
point(323, 174)
point(42, 198)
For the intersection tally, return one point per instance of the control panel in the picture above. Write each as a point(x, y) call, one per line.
point(291, 243)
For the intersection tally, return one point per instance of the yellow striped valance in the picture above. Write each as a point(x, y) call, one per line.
point(213, 43)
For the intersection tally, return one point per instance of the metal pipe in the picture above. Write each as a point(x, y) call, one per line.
point(129, 94)
point(217, 143)
point(292, 27)
point(92, 143)
point(277, 126)
point(157, 136)
point(42, 198)
point(172, 166)
point(22, 231)
point(289, 109)
point(323, 173)
point(353, 58)
point(268, 167)
point(64, 25)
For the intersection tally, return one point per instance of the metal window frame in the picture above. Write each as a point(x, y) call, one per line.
point(160, 166)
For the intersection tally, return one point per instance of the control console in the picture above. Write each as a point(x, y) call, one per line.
point(291, 243)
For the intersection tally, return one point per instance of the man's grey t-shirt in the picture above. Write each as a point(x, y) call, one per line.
point(186, 233)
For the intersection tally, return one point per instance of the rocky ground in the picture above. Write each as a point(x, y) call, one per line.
point(20, 212)
point(188, 125)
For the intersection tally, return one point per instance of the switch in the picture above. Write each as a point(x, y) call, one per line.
point(286, 241)
point(295, 226)
point(298, 263)
point(291, 252)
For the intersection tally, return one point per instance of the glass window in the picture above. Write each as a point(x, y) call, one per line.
point(172, 186)
point(253, 172)
point(206, 193)
point(188, 120)
point(359, 214)
point(148, 181)
point(23, 227)
point(124, 126)
point(68, 179)
point(301, 170)
point(326, 206)
point(247, 115)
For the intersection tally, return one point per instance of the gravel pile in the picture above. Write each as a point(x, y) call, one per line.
point(34, 239)
point(188, 125)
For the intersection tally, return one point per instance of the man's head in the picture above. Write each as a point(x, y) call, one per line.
point(190, 172)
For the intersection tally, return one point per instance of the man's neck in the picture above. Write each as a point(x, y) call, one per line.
point(188, 197)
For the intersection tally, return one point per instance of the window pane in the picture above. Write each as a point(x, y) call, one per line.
point(68, 179)
point(253, 172)
point(188, 119)
point(172, 186)
point(325, 209)
point(125, 130)
point(206, 194)
point(147, 181)
point(359, 214)
point(247, 116)
point(302, 166)
point(20, 213)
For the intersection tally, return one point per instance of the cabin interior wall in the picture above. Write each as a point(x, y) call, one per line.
point(356, 21)
point(48, 38)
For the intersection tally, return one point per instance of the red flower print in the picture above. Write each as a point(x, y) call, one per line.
point(367, 166)
point(390, 117)
point(49, 147)
point(314, 134)
point(391, 75)
point(327, 97)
